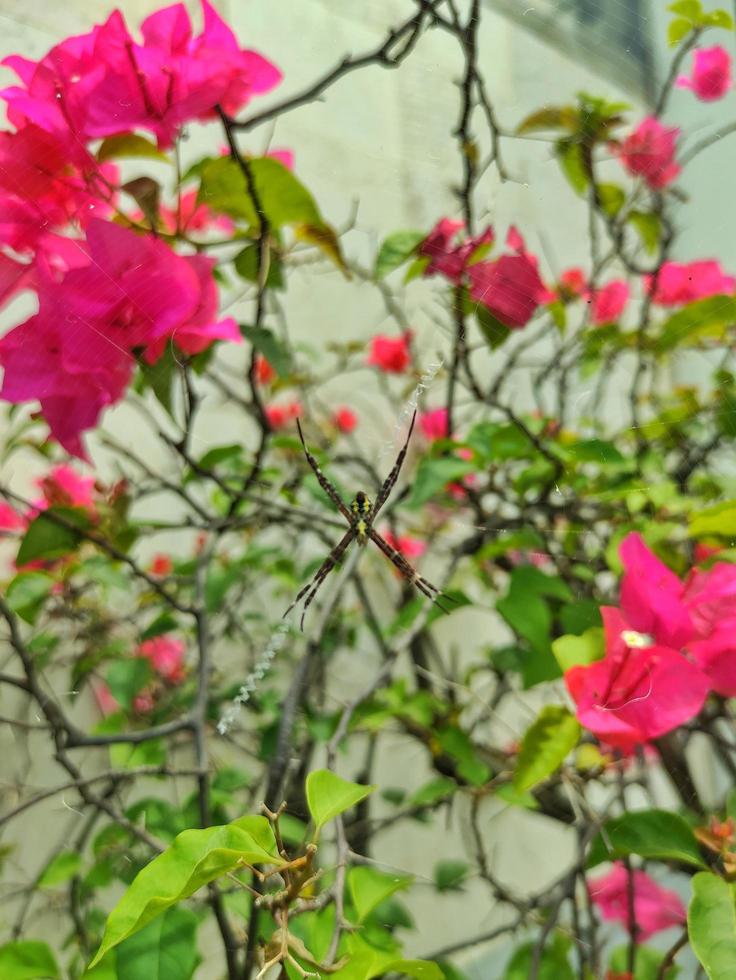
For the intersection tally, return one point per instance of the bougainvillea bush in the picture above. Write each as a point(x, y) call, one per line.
point(219, 782)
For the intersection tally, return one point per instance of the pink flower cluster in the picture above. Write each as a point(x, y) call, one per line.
point(649, 153)
point(669, 644)
point(655, 908)
point(607, 302)
point(111, 295)
point(105, 82)
point(684, 282)
point(711, 74)
point(63, 486)
point(509, 286)
point(166, 656)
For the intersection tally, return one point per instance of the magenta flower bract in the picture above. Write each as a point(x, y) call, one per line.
point(655, 908)
point(609, 301)
point(684, 282)
point(649, 152)
point(510, 287)
point(391, 354)
point(711, 74)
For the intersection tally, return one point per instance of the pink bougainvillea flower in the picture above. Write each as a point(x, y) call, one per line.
point(609, 301)
point(655, 908)
point(652, 596)
point(711, 74)
point(639, 690)
point(391, 354)
point(510, 287)
point(103, 82)
point(446, 258)
point(264, 372)
point(166, 656)
point(75, 355)
point(280, 416)
point(104, 698)
point(405, 544)
point(189, 216)
point(572, 283)
point(65, 487)
point(10, 519)
point(684, 282)
point(161, 566)
point(14, 276)
point(200, 328)
point(649, 152)
point(434, 423)
point(345, 419)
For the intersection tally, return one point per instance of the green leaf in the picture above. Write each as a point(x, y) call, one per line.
point(551, 117)
point(196, 858)
point(27, 960)
point(129, 145)
point(269, 345)
point(495, 332)
point(328, 795)
point(26, 593)
point(719, 519)
point(574, 651)
point(711, 922)
point(368, 888)
point(420, 969)
point(611, 197)
point(433, 791)
point(648, 833)
point(164, 949)
point(450, 875)
point(395, 250)
point(677, 30)
point(648, 963)
point(545, 745)
point(553, 964)
point(704, 319)
point(433, 475)
point(595, 451)
point(284, 199)
point(718, 18)
point(126, 678)
point(648, 227)
point(159, 377)
point(569, 155)
point(60, 869)
point(457, 744)
point(46, 539)
point(246, 266)
point(692, 9)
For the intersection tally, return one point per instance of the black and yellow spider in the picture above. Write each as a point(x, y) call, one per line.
point(361, 516)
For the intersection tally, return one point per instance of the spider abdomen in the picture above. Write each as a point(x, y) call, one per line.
point(362, 508)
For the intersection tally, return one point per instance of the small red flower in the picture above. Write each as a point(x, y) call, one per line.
point(264, 372)
point(391, 354)
point(649, 152)
point(434, 423)
point(279, 416)
point(345, 419)
point(405, 544)
point(609, 301)
point(161, 566)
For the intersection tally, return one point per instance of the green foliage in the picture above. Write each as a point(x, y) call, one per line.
point(545, 745)
point(267, 344)
point(554, 963)
point(196, 858)
point(648, 833)
point(450, 875)
point(328, 795)
point(129, 145)
point(432, 477)
point(164, 949)
point(27, 592)
point(368, 888)
point(27, 960)
point(394, 251)
point(711, 923)
point(126, 678)
point(53, 534)
point(574, 651)
point(648, 963)
point(690, 16)
point(60, 869)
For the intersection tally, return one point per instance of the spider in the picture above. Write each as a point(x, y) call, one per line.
point(361, 516)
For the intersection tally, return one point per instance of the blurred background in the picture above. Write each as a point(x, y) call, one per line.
point(377, 152)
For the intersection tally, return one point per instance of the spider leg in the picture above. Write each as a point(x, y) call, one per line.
point(388, 483)
point(321, 574)
point(410, 573)
point(323, 481)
